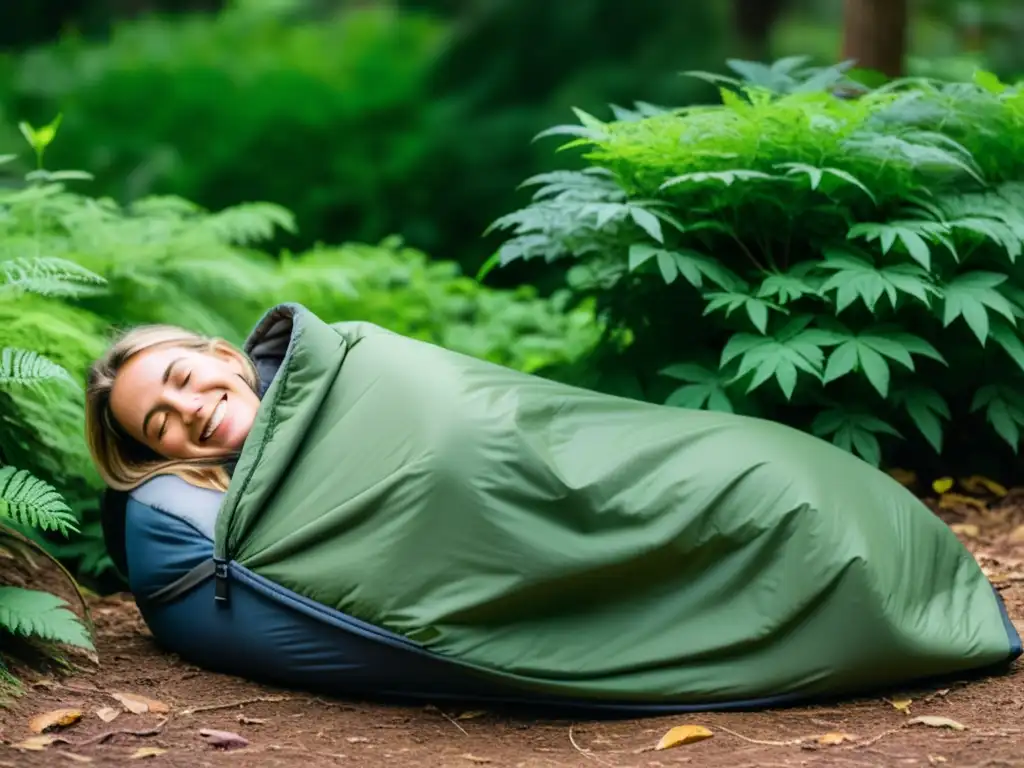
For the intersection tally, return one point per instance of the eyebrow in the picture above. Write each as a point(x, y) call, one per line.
point(153, 411)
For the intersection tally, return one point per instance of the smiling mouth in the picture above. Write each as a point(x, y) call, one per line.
point(215, 419)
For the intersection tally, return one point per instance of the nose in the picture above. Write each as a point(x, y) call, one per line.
point(188, 405)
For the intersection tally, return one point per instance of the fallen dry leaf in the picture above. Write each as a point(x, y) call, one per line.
point(35, 743)
point(246, 720)
point(471, 714)
point(969, 530)
point(942, 485)
point(475, 759)
point(107, 714)
point(904, 477)
point(1017, 535)
point(143, 752)
point(938, 722)
point(683, 734)
point(979, 484)
point(140, 705)
point(903, 705)
point(223, 739)
point(76, 758)
point(58, 718)
point(936, 759)
point(357, 739)
point(833, 738)
point(954, 500)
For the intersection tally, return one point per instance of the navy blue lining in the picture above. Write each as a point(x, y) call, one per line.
point(1011, 631)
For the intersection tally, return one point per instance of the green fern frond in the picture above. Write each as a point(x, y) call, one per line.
point(27, 368)
point(49, 276)
point(33, 502)
point(40, 615)
point(250, 223)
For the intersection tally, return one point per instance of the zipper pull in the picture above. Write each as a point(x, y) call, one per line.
point(220, 583)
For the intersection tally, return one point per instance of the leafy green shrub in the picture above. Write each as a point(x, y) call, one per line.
point(95, 266)
point(28, 504)
point(851, 266)
point(331, 118)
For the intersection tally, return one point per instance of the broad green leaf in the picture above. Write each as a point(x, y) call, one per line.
point(1004, 410)
point(789, 286)
point(989, 81)
point(1009, 339)
point(856, 278)
point(925, 407)
point(970, 295)
point(781, 356)
point(723, 177)
point(868, 351)
point(911, 233)
point(854, 432)
point(816, 175)
point(647, 221)
point(693, 266)
point(691, 372)
point(757, 309)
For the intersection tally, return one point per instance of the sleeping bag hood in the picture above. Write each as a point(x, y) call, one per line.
point(407, 520)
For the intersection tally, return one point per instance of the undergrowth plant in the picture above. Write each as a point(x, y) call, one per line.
point(844, 259)
point(33, 619)
point(96, 267)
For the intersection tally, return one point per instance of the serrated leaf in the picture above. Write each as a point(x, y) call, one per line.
point(781, 356)
point(971, 295)
point(789, 286)
point(1009, 339)
point(694, 267)
point(730, 301)
point(925, 407)
point(42, 615)
point(32, 502)
point(722, 177)
point(648, 222)
point(23, 367)
point(856, 278)
point(854, 432)
point(1004, 411)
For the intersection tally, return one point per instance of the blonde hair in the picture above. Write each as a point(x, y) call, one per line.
point(123, 462)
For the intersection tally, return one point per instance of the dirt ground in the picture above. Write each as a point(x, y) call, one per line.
point(983, 725)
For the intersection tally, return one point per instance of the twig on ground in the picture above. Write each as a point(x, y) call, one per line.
point(154, 731)
point(452, 721)
point(790, 743)
point(236, 703)
point(875, 739)
point(586, 752)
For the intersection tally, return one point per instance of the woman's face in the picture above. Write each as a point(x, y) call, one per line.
point(184, 404)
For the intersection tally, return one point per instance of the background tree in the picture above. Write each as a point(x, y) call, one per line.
point(875, 34)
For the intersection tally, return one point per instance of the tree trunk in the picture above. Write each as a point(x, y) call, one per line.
point(753, 21)
point(875, 34)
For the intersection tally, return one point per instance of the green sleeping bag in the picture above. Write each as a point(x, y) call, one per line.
point(573, 544)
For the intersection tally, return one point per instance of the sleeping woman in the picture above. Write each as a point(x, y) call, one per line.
point(337, 506)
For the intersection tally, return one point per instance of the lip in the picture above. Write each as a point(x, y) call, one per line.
point(205, 423)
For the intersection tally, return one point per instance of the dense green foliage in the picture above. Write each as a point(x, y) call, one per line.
point(93, 266)
point(329, 118)
point(366, 121)
point(851, 266)
point(29, 504)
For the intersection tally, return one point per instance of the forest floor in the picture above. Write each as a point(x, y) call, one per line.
point(253, 725)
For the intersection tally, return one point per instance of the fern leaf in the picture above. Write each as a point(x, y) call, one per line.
point(27, 368)
point(40, 615)
point(33, 502)
point(49, 276)
point(250, 223)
